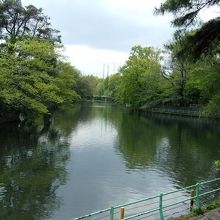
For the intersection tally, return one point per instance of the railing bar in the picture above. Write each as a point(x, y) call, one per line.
point(116, 212)
point(141, 206)
point(209, 181)
point(174, 197)
point(164, 207)
point(145, 204)
point(132, 203)
point(172, 208)
point(179, 190)
point(182, 201)
point(92, 214)
point(154, 197)
point(101, 217)
point(206, 193)
point(148, 216)
point(143, 213)
point(172, 214)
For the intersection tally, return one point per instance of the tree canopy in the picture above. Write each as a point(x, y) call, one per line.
point(34, 78)
point(31, 78)
point(18, 22)
point(138, 84)
point(186, 14)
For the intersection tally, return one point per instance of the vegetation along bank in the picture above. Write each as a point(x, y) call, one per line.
point(35, 79)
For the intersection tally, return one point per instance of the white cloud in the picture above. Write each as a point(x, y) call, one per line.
point(90, 60)
point(209, 13)
point(140, 12)
point(102, 32)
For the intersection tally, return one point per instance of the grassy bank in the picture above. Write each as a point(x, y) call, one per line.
point(196, 212)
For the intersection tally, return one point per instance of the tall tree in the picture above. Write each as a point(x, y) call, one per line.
point(18, 22)
point(179, 68)
point(186, 14)
point(141, 76)
point(31, 80)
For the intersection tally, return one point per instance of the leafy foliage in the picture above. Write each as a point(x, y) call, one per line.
point(87, 86)
point(143, 82)
point(186, 13)
point(31, 78)
point(18, 22)
point(139, 81)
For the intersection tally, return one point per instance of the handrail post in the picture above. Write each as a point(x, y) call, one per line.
point(197, 196)
point(122, 213)
point(192, 199)
point(161, 206)
point(112, 213)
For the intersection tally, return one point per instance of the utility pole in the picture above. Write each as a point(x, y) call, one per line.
point(103, 72)
point(108, 70)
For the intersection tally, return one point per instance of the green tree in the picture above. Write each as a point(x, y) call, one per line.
point(103, 87)
point(110, 86)
point(141, 77)
point(186, 14)
point(178, 71)
point(18, 22)
point(32, 80)
point(211, 91)
point(193, 81)
point(113, 86)
point(87, 86)
point(66, 81)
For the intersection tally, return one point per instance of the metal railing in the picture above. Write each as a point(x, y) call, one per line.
point(186, 112)
point(162, 206)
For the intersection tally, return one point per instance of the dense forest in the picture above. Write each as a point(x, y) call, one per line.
point(36, 80)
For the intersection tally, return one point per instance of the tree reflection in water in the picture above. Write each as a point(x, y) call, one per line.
point(32, 163)
point(183, 148)
point(33, 160)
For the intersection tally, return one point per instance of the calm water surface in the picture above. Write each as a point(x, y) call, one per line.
point(91, 157)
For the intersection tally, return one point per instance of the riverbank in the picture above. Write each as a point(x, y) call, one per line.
point(210, 215)
point(209, 212)
point(190, 112)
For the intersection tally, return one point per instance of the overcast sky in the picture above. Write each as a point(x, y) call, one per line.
point(97, 32)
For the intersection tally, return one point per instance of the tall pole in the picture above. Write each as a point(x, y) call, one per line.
point(108, 70)
point(103, 73)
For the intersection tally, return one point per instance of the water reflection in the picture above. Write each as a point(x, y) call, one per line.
point(90, 157)
point(185, 149)
point(32, 163)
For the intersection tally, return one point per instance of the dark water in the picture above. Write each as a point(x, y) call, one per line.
point(93, 157)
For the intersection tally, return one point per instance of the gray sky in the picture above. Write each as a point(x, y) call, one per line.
point(97, 32)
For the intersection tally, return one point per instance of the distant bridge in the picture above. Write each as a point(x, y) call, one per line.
point(100, 98)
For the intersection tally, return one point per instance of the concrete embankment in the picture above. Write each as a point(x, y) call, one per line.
point(211, 215)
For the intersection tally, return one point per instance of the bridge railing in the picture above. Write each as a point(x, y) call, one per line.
point(164, 205)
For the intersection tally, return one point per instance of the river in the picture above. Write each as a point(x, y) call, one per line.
point(93, 156)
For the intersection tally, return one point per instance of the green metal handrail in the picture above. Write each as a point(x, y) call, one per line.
point(161, 207)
